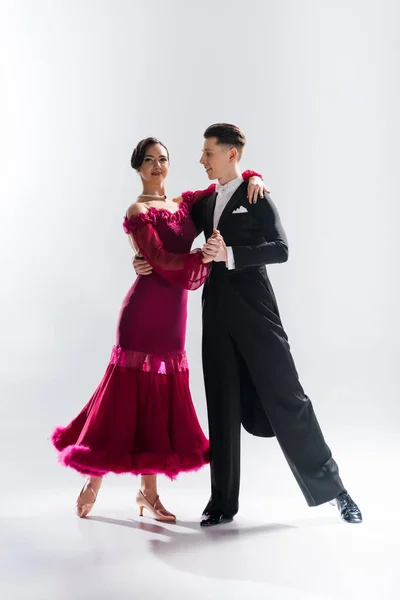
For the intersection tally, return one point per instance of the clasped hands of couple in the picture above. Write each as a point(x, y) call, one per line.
point(215, 249)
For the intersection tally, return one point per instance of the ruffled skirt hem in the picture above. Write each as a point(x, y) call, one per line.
point(97, 464)
point(140, 420)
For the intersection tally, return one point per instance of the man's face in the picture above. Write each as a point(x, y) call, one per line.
point(217, 158)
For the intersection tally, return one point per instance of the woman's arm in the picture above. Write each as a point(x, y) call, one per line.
point(186, 270)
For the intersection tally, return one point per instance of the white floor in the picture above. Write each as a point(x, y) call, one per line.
point(276, 548)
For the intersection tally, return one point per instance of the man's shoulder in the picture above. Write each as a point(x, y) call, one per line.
point(242, 190)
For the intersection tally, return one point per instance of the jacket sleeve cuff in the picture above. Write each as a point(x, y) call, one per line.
point(230, 263)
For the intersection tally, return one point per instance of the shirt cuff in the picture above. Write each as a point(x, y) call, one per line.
point(230, 263)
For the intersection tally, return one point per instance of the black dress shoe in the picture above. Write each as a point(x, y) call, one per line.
point(208, 519)
point(348, 509)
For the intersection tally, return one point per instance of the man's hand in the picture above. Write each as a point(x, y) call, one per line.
point(255, 189)
point(214, 249)
point(141, 266)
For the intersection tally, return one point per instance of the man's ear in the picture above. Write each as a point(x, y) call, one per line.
point(234, 155)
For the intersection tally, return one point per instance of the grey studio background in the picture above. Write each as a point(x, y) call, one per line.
point(314, 85)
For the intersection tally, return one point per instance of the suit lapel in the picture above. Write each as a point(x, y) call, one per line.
point(210, 213)
point(233, 203)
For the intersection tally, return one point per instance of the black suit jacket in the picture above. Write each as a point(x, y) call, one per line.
point(243, 298)
point(256, 236)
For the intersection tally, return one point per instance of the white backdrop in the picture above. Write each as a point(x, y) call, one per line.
point(315, 87)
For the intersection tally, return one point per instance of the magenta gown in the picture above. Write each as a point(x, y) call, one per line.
point(141, 418)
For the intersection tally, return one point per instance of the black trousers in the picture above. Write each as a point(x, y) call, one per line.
point(233, 350)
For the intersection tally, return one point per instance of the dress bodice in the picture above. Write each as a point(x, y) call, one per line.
point(175, 230)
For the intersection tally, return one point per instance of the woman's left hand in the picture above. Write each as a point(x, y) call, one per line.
point(255, 189)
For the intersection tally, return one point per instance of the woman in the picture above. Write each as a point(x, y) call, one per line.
point(141, 418)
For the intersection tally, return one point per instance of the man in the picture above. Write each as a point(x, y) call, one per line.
point(249, 374)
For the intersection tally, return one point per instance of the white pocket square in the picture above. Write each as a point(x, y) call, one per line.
point(241, 209)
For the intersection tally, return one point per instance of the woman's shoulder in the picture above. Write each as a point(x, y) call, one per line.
point(137, 208)
point(137, 215)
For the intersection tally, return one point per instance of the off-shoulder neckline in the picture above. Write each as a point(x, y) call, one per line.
point(153, 211)
point(153, 208)
point(152, 215)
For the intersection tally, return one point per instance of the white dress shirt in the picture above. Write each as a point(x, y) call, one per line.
point(225, 193)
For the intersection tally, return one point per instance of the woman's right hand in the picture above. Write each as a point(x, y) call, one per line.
point(141, 266)
point(212, 247)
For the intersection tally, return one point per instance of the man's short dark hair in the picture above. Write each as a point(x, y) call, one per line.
point(227, 134)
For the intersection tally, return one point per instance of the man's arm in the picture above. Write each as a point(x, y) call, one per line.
point(274, 249)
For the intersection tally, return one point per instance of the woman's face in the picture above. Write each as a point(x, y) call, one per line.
point(155, 164)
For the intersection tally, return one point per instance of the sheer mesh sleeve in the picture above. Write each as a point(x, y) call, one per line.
point(186, 270)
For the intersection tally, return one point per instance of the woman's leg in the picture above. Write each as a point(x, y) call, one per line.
point(147, 497)
point(88, 495)
point(148, 487)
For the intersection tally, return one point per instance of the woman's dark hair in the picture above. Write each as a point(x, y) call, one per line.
point(140, 151)
point(227, 134)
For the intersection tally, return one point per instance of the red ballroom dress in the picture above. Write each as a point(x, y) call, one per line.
point(141, 418)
